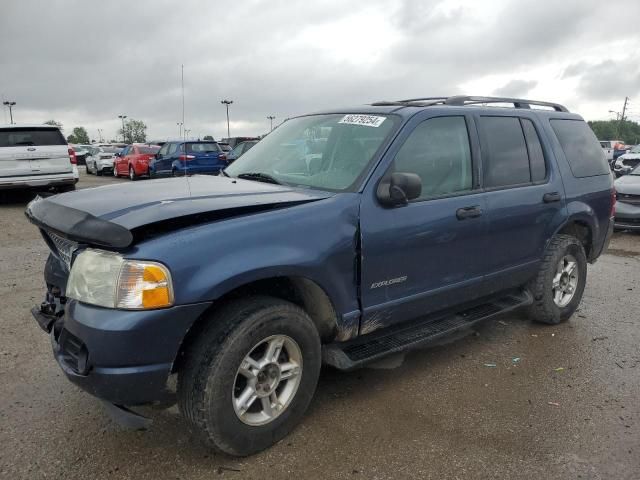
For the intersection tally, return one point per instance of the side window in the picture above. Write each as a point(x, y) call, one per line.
point(581, 148)
point(438, 151)
point(164, 149)
point(504, 152)
point(125, 151)
point(172, 148)
point(133, 151)
point(536, 155)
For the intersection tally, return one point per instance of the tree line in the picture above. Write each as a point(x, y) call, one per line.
point(134, 131)
point(625, 130)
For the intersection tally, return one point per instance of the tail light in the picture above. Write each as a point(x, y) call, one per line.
point(72, 157)
point(186, 157)
point(613, 201)
point(222, 157)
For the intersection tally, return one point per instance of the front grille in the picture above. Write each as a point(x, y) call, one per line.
point(628, 198)
point(61, 247)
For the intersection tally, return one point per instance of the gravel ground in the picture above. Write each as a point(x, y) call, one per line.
point(569, 408)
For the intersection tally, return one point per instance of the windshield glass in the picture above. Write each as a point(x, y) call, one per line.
point(635, 171)
point(202, 147)
point(635, 149)
point(148, 150)
point(328, 152)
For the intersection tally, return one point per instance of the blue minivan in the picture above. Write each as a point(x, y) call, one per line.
point(341, 237)
point(188, 158)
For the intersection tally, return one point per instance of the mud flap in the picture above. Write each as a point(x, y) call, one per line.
point(127, 418)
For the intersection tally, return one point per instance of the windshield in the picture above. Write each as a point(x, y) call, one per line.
point(150, 150)
point(635, 149)
point(202, 147)
point(328, 152)
point(635, 171)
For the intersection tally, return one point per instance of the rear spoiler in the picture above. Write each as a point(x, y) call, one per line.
point(77, 225)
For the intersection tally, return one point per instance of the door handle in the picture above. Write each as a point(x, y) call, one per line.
point(551, 197)
point(468, 212)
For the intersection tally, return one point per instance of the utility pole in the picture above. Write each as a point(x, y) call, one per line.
point(10, 105)
point(100, 135)
point(227, 103)
point(122, 117)
point(624, 110)
point(271, 119)
point(186, 132)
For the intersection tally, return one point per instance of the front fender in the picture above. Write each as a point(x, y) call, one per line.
point(316, 240)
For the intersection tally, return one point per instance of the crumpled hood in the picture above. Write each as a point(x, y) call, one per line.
point(628, 184)
point(107, 215)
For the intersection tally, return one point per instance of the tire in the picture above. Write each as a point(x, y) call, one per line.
point(548, 305)
point(209, 383)
point(86, 167)
point(132, 174)
point(99, 173)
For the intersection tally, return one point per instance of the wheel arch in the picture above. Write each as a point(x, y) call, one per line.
point(299, 290)
point(583, 228)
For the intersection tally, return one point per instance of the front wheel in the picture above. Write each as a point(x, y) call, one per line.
point(558, 287)
point(132, 174)
point(86, 167)
point(250, 375)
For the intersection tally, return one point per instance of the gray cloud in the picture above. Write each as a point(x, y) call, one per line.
point(516, 88)
point(84, 62)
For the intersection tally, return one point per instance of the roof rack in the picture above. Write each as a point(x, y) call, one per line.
point(462, 100)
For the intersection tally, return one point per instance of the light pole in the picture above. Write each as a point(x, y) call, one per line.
point(617, 114)
point(271, 119)
point(10, 105)
point(122, 117)
point(100, 135)
point(186, 132)
point(227, 103)
point(179, 124)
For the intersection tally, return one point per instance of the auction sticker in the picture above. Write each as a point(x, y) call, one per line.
point(366, 120)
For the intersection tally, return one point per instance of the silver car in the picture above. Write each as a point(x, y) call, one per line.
point(628, 201)
point(100, 160)
point(35, 156)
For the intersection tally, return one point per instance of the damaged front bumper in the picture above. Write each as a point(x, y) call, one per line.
point(122, 357)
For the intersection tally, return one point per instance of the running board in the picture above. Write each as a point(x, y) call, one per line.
point(365, 349)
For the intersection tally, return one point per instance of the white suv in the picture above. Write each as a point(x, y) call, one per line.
point(35, 156)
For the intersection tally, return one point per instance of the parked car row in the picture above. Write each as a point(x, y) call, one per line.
point(627, 162)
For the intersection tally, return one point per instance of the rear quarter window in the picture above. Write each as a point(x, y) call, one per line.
point(581, 148)
point(30, 137)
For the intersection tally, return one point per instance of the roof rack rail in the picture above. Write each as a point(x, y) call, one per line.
point(462, 100)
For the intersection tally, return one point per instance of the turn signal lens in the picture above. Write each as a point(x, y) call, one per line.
point(144, 285)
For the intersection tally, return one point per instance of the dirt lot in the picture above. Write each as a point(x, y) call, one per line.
point(568, 408)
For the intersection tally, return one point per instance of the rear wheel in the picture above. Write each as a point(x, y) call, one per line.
point(86, 167)
point(251, 374)
point(99, 172)
point(557, 289)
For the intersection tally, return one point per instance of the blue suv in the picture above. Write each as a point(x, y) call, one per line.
point(341, 237)
point(188, 158)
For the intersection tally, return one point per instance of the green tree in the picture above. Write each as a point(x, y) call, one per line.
point(72, 139)
point(208, 137)
point(135, 131)
point(54, 123)
point(80, 135)
point(626, 130)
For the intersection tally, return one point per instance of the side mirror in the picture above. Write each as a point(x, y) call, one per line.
point(157, 156)
point(399, 189)
point(117, 154)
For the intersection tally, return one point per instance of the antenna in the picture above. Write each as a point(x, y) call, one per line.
point(184, 132)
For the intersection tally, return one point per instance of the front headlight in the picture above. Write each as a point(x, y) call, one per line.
point(108, 280)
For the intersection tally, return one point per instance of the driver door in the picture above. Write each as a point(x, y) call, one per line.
point(427, 255)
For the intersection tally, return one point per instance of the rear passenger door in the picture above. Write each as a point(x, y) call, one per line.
point(524, 195)
point(427, 255)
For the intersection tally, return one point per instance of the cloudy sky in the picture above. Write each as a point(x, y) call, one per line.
point(84, 62)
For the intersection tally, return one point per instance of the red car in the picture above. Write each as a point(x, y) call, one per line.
point(133, 161)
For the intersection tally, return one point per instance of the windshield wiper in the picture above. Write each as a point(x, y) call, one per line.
point(222, 172)
point(259, 177)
